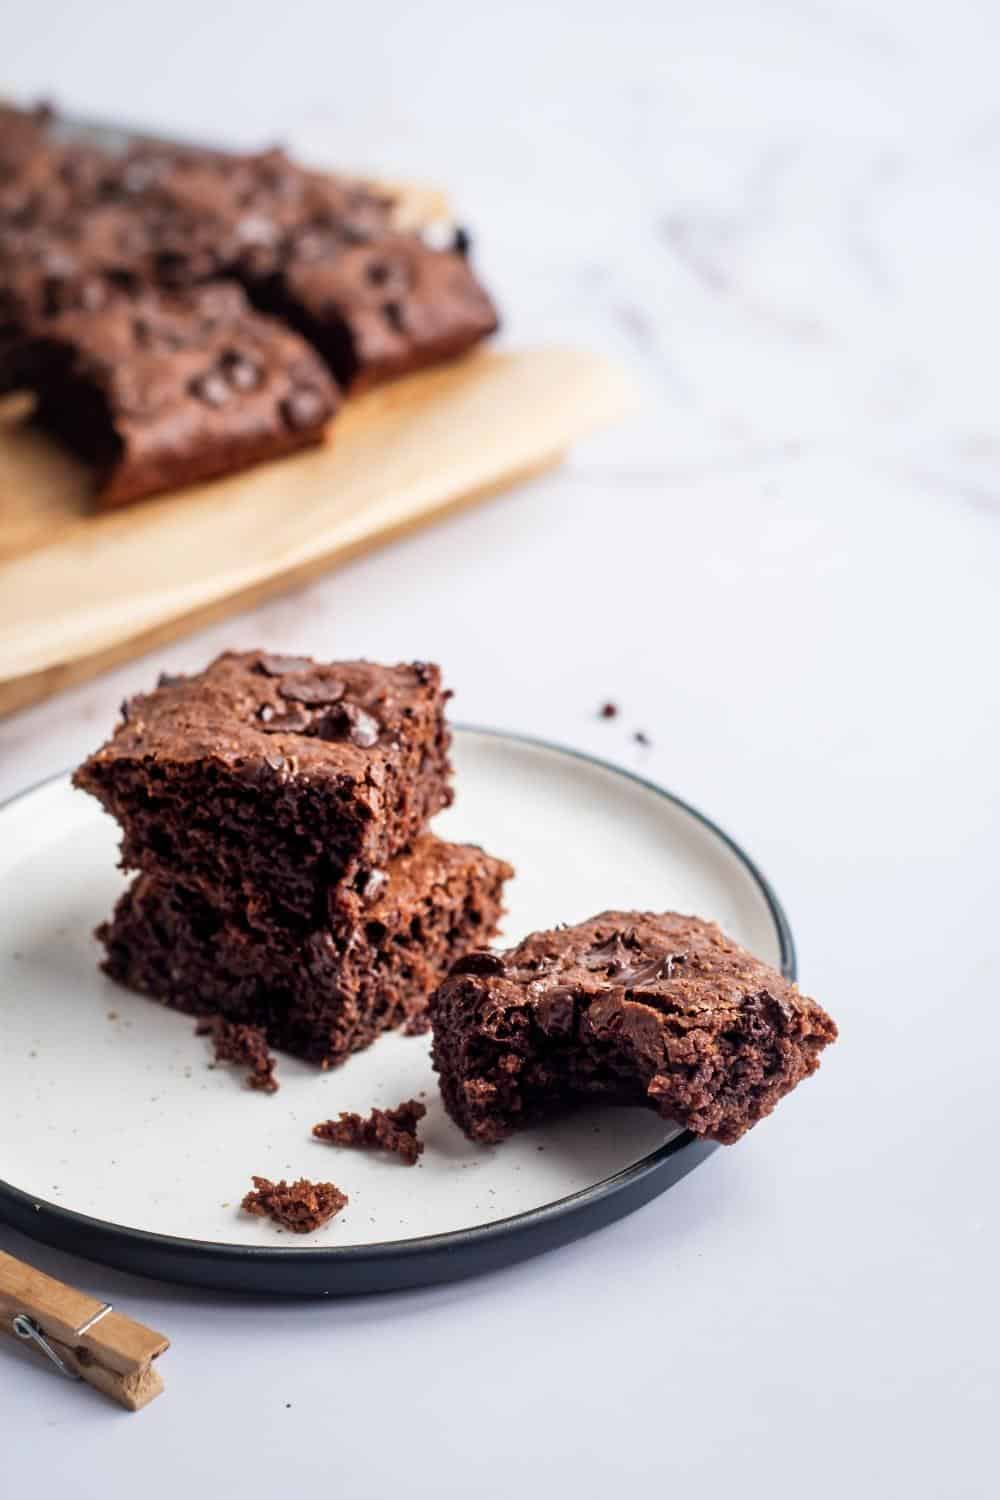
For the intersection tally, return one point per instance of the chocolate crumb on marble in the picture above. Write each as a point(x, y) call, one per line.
point(660, 1010)
point(244, 1045)
point(393, 1130)
point(301, 1206)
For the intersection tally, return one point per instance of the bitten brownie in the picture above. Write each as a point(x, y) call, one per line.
point(327, 994)
point(275, 784)
point(631, 1007)
point(157, 391)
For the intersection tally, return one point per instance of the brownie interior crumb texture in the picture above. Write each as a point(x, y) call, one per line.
point(329, 992)
point(630, 1007)
point(393, 1130)
point(275, 785)
point(158, 391)
point(300, 1206)
point(245, 1045)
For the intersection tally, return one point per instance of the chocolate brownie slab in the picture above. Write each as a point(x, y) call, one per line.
point(272, 783)
point(631, 1007)
point(330, 993)
point(380, 309)
point(212, 213)
point(48, 269)
point(157, 391)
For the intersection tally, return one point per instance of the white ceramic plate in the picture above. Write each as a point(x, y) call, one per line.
point(117, 1137)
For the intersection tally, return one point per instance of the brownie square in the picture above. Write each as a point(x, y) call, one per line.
point(379, 309)
point(157, 391)
point(631, 1007)
point(275, 784)
point(212, 213)
point(332, 992)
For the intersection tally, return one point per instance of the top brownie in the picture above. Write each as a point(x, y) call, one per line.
point(276, 783)
point(632, 1007)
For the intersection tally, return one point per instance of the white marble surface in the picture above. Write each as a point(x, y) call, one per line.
point(786, 217)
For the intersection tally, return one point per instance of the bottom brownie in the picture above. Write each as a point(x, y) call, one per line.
point(332, 993)
point(663, 1011)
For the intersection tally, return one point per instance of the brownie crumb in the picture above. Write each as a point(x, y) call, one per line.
point(300, 1206)
point(641, 738)
point(609, 710)
point(244, 1045)
point(384, 1130)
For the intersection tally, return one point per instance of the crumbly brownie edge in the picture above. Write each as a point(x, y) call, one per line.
point(312, 999)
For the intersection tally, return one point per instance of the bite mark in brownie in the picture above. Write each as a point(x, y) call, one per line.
point(393, 1130)
point(266, 799)
point(332, 991)
point(301, 1206)
point(158, 391)
point(630, 1007)
point(245, 1045)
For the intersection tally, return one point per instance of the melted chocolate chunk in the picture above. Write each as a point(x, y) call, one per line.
point(273, 665)
point(348, 721)
point(311, 689)
point(210, 388)
point(303, 407)
point(242, 373)
point(650, 972)
point(296, 721)
point(480, 962)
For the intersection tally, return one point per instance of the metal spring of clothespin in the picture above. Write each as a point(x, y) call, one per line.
point(26, 1328)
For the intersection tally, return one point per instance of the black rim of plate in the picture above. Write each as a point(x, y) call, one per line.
point(393, 1265)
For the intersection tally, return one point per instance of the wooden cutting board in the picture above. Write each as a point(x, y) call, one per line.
point(81, 592)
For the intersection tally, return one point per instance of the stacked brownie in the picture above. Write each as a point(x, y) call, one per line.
point(95, 249)
point(276, 810)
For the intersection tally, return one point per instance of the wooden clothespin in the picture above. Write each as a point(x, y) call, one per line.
point(83, 1338)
